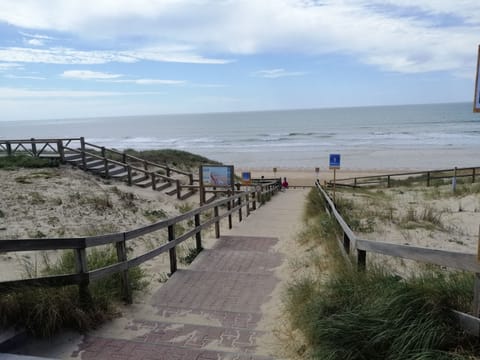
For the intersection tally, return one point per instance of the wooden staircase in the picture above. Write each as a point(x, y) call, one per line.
point(108, 163)
point(134, 171)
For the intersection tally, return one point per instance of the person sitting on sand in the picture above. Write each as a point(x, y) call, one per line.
point(285, 183)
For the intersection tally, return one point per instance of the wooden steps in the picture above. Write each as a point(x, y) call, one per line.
point(116, 171)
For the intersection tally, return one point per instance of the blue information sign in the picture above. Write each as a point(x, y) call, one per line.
point(334, 161)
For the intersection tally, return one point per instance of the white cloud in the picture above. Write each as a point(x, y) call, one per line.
point(16, 93)
point(36, 36)
point(62, 55)
point(9, 66)
point(151, 81)
point(88, 75)
point(34, 42)
point(277, 73)
point(107, 77)
point(29, 77)
point(426, 35)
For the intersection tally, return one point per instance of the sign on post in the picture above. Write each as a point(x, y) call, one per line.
point(246, 178)
point(476, 101)
point(334, 164)
point(215, 176)
point(334, 161)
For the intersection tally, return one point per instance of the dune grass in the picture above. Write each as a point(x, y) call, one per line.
point(44, 312)
point(374, 314)
point(176, 158)
point(24, 161)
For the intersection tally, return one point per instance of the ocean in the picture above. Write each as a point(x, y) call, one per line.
point(368, 138)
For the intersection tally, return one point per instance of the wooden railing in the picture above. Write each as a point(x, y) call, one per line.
point(59, 148)
point(36, 147)
point(223, 208)
point(130, 159)
point(351, 245)
point(420, 176)
point(130, 170)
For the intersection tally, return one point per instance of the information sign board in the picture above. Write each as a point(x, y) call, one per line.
point(334, 161)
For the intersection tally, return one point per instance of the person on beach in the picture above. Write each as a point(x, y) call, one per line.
point(285, 183)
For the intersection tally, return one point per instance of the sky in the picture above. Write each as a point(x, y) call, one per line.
point(88, 58)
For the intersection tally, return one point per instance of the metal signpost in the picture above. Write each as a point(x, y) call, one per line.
point(334, 164)
point(476, 101)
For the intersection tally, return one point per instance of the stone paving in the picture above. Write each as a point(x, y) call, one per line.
point(209, 311)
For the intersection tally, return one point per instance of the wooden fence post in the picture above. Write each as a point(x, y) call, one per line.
point(167, 171)
point(84, 295)
point(198, 235)
point(122, 257)
point(240, 209)
point(34, 147)
point(103, 151)
point(154, 181)
point(129, 175)
point(229, 207)
point(428, 178)
point(107, 170)
point(476, 288)
point(172, 252)
point(247, 200)
point(9, 148)
point(179, 189)
point(254, 201)
point(124, 158)
point(388, 181)
point(217, 222)
point(476, 296)
point(473, 175)
point(82, 143)
point(346, 243)
point(61, 151)
point(361, 260)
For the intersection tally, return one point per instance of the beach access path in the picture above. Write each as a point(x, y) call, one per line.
point(225, 305)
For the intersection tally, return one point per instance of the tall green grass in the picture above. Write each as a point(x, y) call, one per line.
point(374, 314)
point(46, 311)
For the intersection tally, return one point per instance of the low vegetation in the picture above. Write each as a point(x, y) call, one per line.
point(336, 312)
point(24, 161)
point(46, 311)
point(175, 158)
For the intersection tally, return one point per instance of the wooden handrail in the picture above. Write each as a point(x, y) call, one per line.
point(79, 245)
point(165, 167)
point(456, 260)
point(37, 141)
point(378, 178)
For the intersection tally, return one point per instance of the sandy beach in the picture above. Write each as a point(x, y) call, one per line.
point(304, 177)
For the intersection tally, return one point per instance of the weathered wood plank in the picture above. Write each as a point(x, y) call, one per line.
point(46, 281)
point(469, 323)
point(456, 260)
point(41, 244)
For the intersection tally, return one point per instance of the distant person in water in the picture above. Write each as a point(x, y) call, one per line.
point(285, 183)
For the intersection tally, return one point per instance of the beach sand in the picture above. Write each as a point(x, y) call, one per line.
point(303, 177)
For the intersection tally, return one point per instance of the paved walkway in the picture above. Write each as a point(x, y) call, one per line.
point(213, 309)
